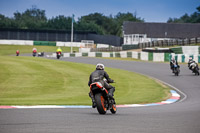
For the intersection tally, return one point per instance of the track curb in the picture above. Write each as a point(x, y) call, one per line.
point(174, 98)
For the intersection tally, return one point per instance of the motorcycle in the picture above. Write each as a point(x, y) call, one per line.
point(103, 101)
point(58, 55)
point(176, 70)
point(17, 53)
point(194, 68)
point(34, 54)
point(41, 54)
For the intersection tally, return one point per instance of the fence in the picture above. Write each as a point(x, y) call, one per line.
point(58, 35)
point(145, 56)
point(111, 49)
point(168, 43)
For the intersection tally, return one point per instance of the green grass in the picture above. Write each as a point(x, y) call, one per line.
point(11, 49)
point(40, 81)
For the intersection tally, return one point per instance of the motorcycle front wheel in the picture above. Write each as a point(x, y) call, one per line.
point(114, 109)
point(100, 103)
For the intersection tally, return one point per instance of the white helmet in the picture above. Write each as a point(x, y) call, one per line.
point(100, 66)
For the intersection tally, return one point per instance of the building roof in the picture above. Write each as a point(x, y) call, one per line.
point(163, 30)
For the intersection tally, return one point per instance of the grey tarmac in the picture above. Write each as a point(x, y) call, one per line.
point(180, 117)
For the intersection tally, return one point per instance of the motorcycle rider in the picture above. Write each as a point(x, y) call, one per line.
point(34, 50)
point(59, 50)
point(172, 63)
point(98, 76)
point(190, 62)
point(17, 53)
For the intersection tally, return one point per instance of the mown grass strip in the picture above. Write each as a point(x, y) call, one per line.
point(39, 81)
point(11, 49)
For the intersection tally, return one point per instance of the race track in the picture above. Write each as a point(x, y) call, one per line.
point(180, 117)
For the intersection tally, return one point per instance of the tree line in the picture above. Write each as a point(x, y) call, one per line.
point(35, 18)
point(193, 18)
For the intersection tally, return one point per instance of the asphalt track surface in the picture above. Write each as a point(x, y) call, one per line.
point(180, 117)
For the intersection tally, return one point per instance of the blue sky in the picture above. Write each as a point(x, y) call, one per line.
point(149, 10)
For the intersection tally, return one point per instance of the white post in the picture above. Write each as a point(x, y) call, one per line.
point(72, 32)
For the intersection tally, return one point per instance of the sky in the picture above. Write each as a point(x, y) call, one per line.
point(149, 10)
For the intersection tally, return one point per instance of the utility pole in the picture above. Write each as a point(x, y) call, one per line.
point(72, 32)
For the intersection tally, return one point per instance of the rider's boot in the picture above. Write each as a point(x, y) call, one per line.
point(111, 92)
point(93, 100)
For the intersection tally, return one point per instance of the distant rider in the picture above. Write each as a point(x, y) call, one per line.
point(172, 63)
point(98, 76)
point(17, 53)
point(34, 50)
point(190, 62)
point(59, 50)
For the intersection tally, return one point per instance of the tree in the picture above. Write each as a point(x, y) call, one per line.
point(30, 19)
point(193, 18)
point(59, 22)
point(35, 18)
point(6, 22)
point(109, 25)
point(121, 17)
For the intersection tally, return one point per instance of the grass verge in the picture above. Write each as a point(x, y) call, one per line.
point(11, 49)
point(39, 81)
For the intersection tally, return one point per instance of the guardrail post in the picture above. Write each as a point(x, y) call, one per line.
point(195, 40)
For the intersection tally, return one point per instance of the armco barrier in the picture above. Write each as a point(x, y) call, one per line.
point(91, 54)
point(158, 57)
point(129, 54)
point(123, 54)
point(146, 56)
point(128, 47)
point(16, 42)
point(104, 54)
point(85, 54)
point(150, 56)
point(98, 54)
point(177, 50)
point(44, 43)
point(190, 50)
point(199, 58)
point(199, 50)
point(167, 56)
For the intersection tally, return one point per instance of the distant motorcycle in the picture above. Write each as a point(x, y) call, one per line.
point(103, 101)
point(194, 68)
point(34, 54)
point(58, 55)
point(176, 70)
point(41, 54)
point(17, 53)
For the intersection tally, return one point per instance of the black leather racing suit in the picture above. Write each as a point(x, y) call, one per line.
point(172, 63)
point(98, 76)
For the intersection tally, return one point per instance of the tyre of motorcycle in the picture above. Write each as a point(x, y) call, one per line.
point(58, 56)
point(176, 71)
point(100, 101)
point(196, 71)
point(34, 54)
point(113, 110)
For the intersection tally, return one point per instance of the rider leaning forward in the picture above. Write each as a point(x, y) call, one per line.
point(98, 76)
